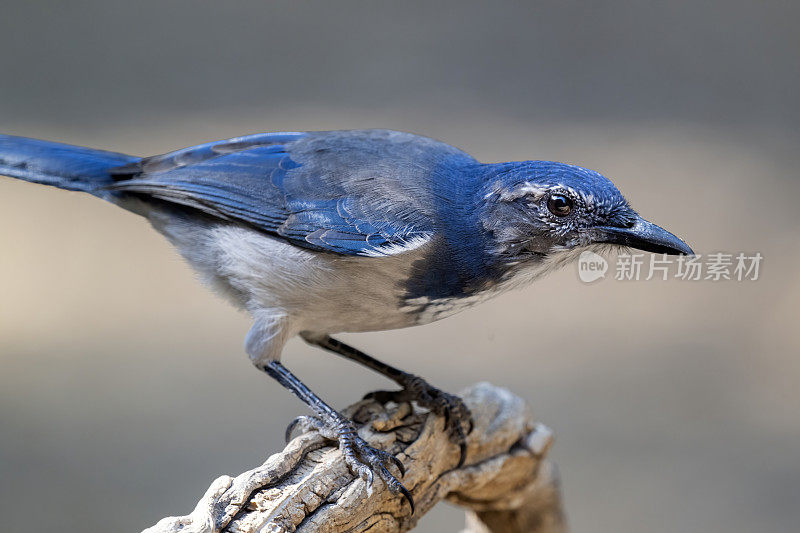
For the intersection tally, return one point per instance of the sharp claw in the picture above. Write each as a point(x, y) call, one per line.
point(290, 429)
point(463, 454)
point(396, 487)
point(398, 464)
point(407, 496)
point(370, 478)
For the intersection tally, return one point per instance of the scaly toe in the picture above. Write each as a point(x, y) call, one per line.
point(457, 419)
point(366, 460)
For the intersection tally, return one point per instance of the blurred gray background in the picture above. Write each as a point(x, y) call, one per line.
point(124, 389)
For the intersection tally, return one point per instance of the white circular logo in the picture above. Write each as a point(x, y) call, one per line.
point(591, 266)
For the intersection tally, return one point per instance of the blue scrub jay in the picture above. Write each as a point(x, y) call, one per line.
point(321, 232)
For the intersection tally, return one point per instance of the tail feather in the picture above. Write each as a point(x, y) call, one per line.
point(61, 165)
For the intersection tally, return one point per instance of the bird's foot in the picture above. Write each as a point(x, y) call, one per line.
point(457, 418)
point(363, 460)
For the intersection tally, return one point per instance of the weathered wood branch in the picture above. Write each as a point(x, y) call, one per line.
point(505, 484)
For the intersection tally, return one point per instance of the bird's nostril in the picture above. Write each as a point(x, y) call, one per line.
point(628, 223)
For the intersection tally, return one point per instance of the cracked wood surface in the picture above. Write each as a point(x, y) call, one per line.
point(505, 484)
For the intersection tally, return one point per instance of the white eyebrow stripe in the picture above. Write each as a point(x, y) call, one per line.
point(526, 189)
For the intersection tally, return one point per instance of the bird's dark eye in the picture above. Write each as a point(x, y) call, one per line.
point(559, 205)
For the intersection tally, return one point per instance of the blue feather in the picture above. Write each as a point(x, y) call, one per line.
point(61, 165)
point(354, 193)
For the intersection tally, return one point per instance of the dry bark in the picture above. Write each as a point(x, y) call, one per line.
point(505, 484)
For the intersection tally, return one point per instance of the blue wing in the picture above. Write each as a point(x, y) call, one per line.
point(350, 192)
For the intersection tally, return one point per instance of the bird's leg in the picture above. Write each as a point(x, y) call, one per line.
point(458, 419)
point(362, 458)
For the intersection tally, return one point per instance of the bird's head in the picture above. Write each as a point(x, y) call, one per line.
point(543, 209)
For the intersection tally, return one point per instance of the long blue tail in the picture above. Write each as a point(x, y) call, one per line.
point(61, 165)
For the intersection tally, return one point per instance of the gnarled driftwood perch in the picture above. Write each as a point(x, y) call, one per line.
point(505, 484)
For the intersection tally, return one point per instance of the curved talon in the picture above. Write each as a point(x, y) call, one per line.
point(395, 486)
point(290, 429)
point(398, 464)
point(388, 456)
point(407, 496)
point(462, 454)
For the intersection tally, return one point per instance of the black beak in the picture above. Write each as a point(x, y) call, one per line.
point(643, 235)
